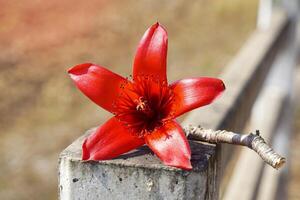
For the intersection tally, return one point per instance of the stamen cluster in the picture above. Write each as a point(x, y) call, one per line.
point(144, 104)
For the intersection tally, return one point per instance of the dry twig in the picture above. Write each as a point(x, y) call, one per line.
point(253, 141)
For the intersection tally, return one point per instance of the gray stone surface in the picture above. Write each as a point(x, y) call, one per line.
point(137, 175)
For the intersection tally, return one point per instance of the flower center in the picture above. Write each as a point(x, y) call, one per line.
point(144, 104)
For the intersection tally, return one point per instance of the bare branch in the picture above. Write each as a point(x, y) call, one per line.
point(252, 141)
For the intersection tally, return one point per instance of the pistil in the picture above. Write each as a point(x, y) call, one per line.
point(143, 106)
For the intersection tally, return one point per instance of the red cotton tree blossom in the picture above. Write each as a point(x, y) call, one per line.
point(145, 107)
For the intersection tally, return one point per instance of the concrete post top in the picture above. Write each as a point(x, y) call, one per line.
point(143, 157)
point(137, 175)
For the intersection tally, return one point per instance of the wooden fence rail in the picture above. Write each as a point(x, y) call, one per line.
point(244, 76)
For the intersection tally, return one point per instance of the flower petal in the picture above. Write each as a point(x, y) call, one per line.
point(151, 55)
point(109, 141)
point(97, 83)
point(195, 92)
point(170, 145)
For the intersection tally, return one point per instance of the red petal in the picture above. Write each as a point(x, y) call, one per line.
point(170, 145)
point(109, 141)
point(151, 55)
point(195, 92)
point(97, 83)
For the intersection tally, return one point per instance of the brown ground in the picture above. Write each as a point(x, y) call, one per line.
point(41, 110)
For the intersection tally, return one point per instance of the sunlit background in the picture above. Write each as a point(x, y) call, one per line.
point(41, 111)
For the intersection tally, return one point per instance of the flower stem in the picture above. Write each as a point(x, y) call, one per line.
point(252, 141)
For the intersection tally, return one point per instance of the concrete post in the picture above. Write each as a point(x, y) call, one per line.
point(136, 175)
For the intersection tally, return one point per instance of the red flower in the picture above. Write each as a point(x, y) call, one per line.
point(145, 107)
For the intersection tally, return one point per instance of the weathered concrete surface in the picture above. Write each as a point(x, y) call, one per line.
point(136, 175)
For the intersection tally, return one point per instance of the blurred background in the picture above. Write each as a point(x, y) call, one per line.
point(42, 112)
